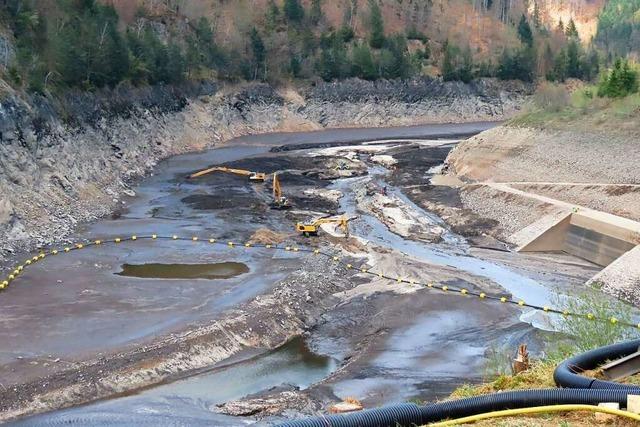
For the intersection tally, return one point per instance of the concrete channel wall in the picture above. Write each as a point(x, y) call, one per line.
point(604, 239)
point(595, 236)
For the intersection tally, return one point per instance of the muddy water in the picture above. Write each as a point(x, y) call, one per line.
point(452, 253)
point(119, 312)
point(192, 401)
point(221, 270)
point(56, 295)
point(444, 345)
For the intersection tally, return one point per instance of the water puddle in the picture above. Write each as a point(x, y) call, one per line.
point(220, 270)
point(193, 400)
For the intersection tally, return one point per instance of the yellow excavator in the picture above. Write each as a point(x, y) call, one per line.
point(311, 229)
point(279, 201)
point(253, 176)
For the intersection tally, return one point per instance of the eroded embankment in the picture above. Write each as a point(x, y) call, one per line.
point(68, 160)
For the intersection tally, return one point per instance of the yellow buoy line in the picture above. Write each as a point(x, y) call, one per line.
point(481, 296)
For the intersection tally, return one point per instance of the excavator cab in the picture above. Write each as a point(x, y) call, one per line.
point(307, 229)
point(257, 176)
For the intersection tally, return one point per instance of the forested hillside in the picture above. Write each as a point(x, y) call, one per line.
point(52, 44)
point(619, 27)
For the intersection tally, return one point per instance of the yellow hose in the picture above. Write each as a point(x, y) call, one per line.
point(537, 410)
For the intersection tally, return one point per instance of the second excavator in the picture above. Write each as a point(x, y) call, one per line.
point(311, 229)
point(279, 201)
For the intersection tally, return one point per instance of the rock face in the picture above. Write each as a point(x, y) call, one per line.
point(7, 52)
point(66, 160)
point(396, 102)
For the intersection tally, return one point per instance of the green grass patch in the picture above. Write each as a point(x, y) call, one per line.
point(582, 108)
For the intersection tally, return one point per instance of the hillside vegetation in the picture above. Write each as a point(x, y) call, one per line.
point(612, 106)
point(619, 27)
point(55, 44)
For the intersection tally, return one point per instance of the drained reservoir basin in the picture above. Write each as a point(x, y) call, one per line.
point(131, 295)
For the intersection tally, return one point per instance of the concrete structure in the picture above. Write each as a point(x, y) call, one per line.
point(599, 237)
point(621, 278)
point(545, 235)
point(595, 236)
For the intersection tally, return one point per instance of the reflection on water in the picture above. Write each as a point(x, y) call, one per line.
point(192, 401)
point(220, 270)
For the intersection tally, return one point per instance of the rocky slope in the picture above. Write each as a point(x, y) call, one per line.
point(68, 160)
point(563, 157)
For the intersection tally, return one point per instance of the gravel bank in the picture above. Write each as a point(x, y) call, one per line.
point(511, 212)
point(506, 154)
point(617, 200)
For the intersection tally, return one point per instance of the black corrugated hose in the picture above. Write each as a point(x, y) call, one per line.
point(580, 390)
point(567, 373)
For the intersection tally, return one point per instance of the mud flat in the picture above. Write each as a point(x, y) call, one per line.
point(187, 333)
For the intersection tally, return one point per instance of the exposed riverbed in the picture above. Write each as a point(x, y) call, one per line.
point(365, 338)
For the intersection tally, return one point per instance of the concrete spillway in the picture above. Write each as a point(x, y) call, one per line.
point(594, 246)
point(605, 239)
point(595, 236)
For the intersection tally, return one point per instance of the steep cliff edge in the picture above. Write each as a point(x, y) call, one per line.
point(68, 160)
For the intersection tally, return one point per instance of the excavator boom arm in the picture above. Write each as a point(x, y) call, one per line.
point(204, 172)
point(341, 221)
point(277, 191)
point(242, 172)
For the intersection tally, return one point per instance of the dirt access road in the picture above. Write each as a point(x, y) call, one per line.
point(79, 331)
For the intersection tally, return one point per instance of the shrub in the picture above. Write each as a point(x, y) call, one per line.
point(589, 334)
point(621, 81)
point(551, 97)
